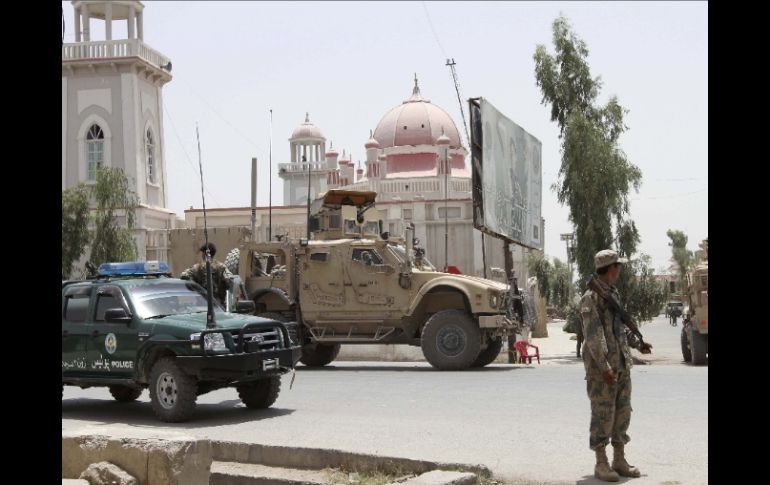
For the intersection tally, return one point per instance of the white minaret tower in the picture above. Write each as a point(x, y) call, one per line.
point(112, 111)
point(308, 153)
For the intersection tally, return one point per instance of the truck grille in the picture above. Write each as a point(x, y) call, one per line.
point(292, 328)
point(260, 340)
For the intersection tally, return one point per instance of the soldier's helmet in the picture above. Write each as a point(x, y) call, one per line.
point(211, 247)
point(606, 257)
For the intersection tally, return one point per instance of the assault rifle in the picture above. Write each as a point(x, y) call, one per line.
point(625, 318)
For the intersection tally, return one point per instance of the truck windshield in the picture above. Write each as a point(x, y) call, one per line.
point(170, 298)
point(400, 252)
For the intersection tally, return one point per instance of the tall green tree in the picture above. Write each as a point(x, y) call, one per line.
point(560, 285)
point(74, 227)
point(114, 219)
point(552, 280)
point(643, 295)
point(681, 255)
point(540, 268)
point(595, 175)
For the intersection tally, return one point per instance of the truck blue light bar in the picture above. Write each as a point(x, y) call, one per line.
point(138, 268)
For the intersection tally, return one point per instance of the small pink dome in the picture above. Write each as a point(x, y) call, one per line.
point(307, 130)
point(372, 143)
point(443, 139)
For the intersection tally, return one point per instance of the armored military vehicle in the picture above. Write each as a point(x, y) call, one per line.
point(354, 284)
point(695, 327)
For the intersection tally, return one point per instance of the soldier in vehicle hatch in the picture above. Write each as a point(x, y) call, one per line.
point(221, 277)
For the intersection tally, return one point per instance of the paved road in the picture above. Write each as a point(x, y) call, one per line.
point(528, 423)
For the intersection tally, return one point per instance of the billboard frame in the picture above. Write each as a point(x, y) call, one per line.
point(477, 171)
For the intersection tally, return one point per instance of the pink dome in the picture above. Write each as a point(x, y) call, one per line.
point(307, 130)
point(331, 152)
point(416, 121)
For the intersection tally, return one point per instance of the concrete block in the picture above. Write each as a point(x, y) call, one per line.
point(150, 461)
point(105, 473)
point(442, 477)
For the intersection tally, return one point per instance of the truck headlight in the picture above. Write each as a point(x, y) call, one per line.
point(214, 342)
point(495, 300)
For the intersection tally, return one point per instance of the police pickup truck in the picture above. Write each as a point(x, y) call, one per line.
point(134, 326)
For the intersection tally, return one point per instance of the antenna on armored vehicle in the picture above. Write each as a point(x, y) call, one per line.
point(270, 182)
point(210, 323)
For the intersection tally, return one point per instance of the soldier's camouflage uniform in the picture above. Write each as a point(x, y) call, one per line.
point(221, 278)
point(606, 346)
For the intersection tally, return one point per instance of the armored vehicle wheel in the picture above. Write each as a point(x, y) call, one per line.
point(699, 347)
point(488, 355)
point(232, 259)
point(451, 340)
point(318, 355)
point(124, 393)
point(686, 354)
point(260, 394)
point(172, 392)
point(273, 316)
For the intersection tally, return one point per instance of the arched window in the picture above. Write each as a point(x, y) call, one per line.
point(94, 150)
point(149, 145)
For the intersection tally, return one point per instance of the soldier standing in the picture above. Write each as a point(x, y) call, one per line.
point(221, 277)
point(607, 361)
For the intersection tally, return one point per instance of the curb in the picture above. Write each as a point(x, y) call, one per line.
point(318, 458)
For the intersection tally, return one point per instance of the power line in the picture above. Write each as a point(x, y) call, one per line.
point(686, 179)
point(435, 35)
point(189, 161)
point(671, 196)
point(235, 128)
point(451, 64)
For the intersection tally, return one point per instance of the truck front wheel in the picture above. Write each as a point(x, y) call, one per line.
point(318, 355)
point(451, 340)
point(699, 346)
point(260, 394)
point(172, 392)
point(125, 393)
point(686, 353)
point(488, 355)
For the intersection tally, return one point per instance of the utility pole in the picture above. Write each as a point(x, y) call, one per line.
point(253, 199)
point(568, 239)
point(451, 63)
point(304, 160)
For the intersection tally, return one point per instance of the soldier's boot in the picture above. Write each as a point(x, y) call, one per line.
point(602, 470)
point(619, 463)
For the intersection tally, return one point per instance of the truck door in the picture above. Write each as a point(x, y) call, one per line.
point(75, 329)
point(322, 287)
point(112, 350)
point(374, 277)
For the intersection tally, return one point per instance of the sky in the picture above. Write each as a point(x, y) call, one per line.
point(348, 63)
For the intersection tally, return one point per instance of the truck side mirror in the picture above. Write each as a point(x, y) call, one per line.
point(409, 236)
point(245, 306)
point(116, 315)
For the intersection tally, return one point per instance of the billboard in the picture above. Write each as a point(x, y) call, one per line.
point(507, 177)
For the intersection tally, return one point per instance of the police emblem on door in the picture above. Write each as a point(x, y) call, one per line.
point(110, 343)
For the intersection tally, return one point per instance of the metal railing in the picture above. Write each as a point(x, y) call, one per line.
point(109, 49)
